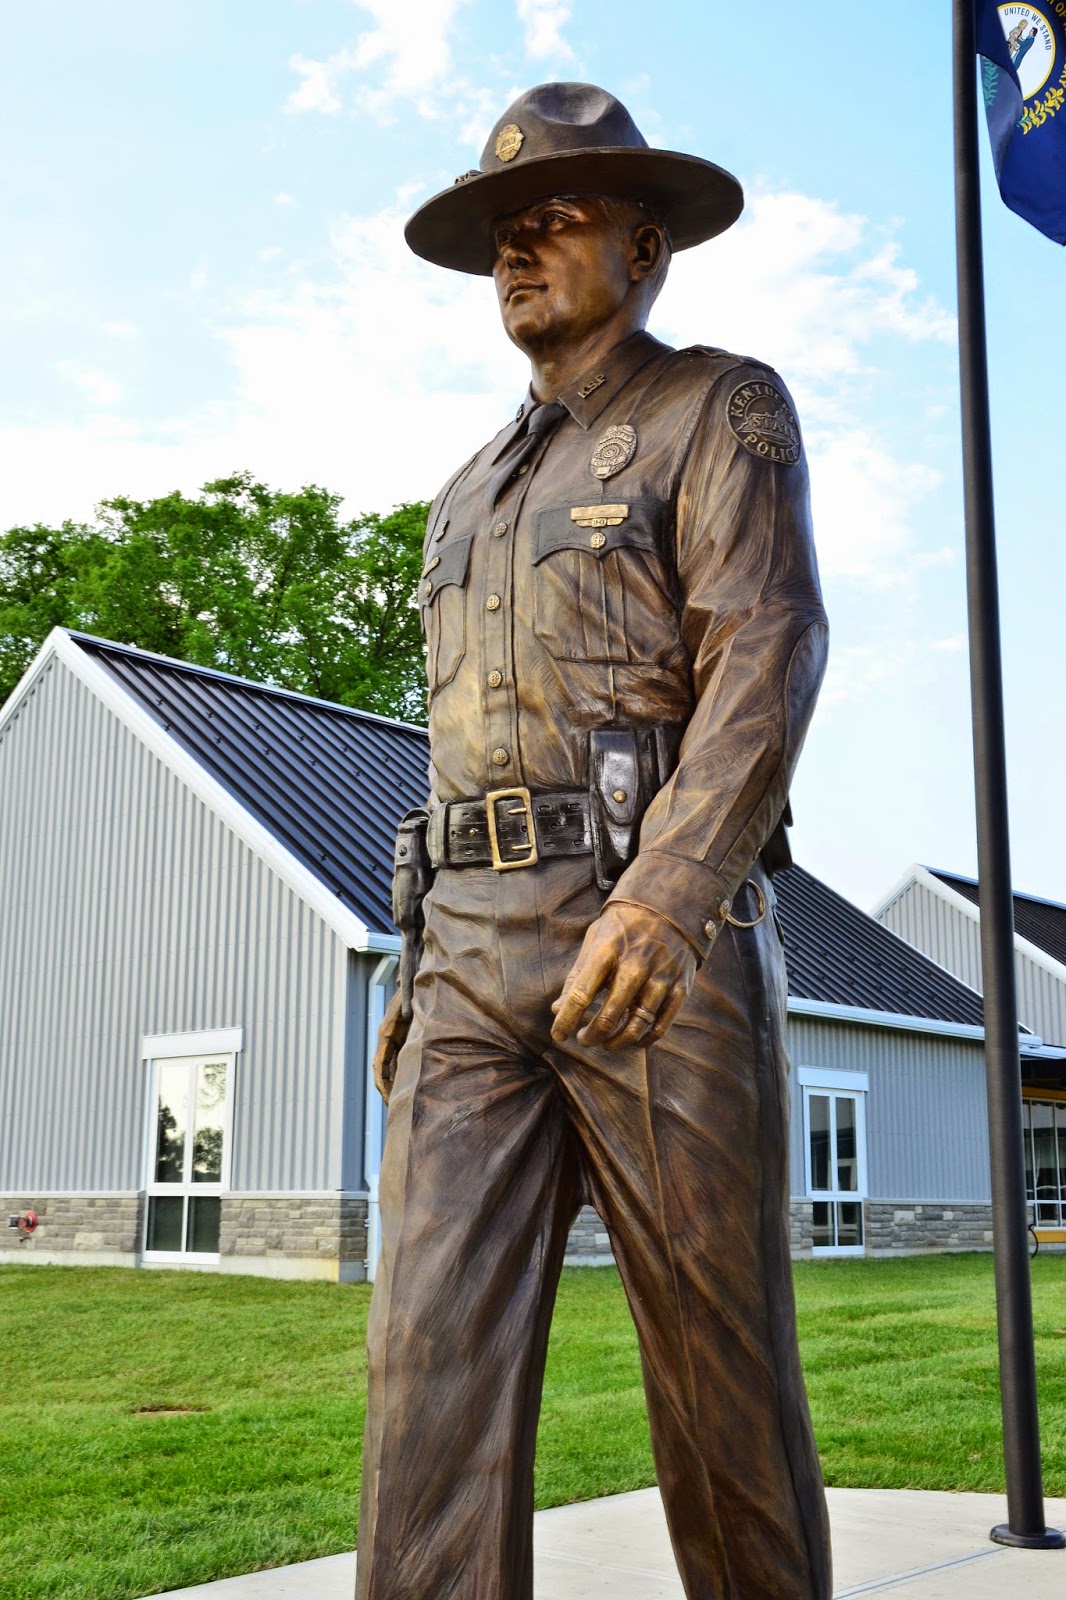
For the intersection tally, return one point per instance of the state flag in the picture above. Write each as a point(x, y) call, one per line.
point(1023, 78)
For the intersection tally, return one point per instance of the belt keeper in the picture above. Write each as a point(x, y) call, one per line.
point(436, 839)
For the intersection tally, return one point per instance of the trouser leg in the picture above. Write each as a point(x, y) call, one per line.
point(686, 1151)
point(478, 1191)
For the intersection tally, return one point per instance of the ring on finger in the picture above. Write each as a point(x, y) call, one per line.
point(644, 1013)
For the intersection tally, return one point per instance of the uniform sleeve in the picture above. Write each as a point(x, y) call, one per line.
point(753, 622)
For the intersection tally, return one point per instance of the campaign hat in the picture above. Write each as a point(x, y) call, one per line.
point(570, 139)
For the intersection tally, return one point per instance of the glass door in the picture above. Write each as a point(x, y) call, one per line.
point(836, 1169)
point(187, 1155)
point(1044, 1124)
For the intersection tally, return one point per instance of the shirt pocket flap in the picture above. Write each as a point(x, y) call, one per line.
point(448, 564)
point(598, 528)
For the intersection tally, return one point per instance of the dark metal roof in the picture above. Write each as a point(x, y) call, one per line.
point(837, 953)
point(328, 782)
point(331, 783)
point(1042, 922)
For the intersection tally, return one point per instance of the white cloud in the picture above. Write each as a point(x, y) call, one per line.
point(542, 24)
point(405, 62)
point(406, 55)
point(99, 389)
point(813, 289)
point(379, 374)
point(805, 281)
point(120, 330)
point(863, 501)
point(283, 199)
point(316, 90)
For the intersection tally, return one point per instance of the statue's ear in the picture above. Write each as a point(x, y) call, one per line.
point(649, 244)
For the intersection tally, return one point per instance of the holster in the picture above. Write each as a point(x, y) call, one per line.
point(627, 768)
point(412, 875)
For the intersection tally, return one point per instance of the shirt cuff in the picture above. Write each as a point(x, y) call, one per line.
point(689, 896)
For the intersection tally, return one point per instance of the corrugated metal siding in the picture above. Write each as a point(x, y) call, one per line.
point(953, 939)
point(128, 908)
point(1041, 1001)
point(944, 933)
point(926, 1121)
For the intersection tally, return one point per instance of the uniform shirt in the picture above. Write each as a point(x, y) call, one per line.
point(679, 588)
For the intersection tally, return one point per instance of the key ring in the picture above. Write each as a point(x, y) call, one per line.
point(760, 898)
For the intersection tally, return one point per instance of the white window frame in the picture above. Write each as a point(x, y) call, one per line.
point(836, 1085)
point(1033, 1204)
point(209, 1044)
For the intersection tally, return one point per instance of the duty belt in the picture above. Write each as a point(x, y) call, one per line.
point(510, 828)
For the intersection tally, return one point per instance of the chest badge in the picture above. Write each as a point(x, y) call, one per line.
point(614, 451)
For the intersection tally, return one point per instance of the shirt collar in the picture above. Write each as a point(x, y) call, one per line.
point(591, 393)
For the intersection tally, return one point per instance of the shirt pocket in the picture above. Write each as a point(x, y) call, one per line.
point(601, 589)
point(442, 596)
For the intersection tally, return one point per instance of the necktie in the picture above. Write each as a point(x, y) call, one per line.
point(539, 423)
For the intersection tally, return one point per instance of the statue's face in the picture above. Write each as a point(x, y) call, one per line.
point(563, 269)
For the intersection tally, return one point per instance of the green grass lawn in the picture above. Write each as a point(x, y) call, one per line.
point(160, 1429)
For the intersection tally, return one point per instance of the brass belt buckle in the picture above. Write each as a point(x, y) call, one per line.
point(492, 800)
point(760, 900)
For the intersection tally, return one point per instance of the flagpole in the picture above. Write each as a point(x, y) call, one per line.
point(1025, 1524)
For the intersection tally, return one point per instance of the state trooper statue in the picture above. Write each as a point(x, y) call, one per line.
point(625, 639)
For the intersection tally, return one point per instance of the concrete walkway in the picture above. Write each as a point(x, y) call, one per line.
point(903, 1542)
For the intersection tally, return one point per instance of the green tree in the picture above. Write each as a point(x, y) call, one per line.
point(268, 585)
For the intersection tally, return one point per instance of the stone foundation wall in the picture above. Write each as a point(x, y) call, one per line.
point(893, 1226)
point(800, 1214)
point(588, 1244)
point(324, 1235)
point(96, 1225)
point(282, 1233)
point(288, 1235)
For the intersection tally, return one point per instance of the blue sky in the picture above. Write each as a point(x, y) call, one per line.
point(204, 271)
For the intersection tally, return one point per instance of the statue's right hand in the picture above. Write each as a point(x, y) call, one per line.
point(391, 1037)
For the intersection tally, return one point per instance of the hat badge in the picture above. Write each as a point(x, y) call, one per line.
point(509, 141)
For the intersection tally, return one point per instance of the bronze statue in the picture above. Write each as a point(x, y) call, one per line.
point(625, 639)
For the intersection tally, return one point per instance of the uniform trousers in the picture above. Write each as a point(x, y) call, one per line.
point(496, 1136)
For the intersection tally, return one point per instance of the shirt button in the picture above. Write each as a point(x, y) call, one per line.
point(495, 679)
point(500, 529)
point(493, 603)
point(524, 468)
point(710, 930)
point(500, 757)
point(598, 541)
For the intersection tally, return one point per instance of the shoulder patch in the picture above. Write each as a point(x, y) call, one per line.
point(764, 422)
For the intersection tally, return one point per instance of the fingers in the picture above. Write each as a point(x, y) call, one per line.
point(628, 981)
point(677, 998)
point(391, 1037)
point(644, 1012)
point(586, 978)
point(646, 969)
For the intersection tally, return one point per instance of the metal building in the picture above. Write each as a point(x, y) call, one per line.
point(939, 913)
point(196, 949)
